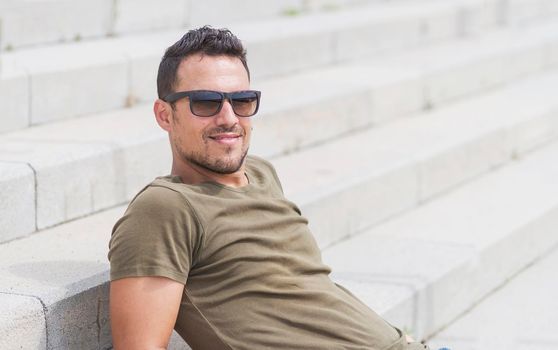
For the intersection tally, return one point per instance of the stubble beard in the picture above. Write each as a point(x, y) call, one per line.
point(225, 165)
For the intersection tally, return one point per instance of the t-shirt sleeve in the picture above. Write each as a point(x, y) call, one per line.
point(159, 235)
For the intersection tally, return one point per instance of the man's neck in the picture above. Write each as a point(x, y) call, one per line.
point(193, 174)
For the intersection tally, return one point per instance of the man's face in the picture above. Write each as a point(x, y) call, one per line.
point(218, 143)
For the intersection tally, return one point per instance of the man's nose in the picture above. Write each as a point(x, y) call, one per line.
point(226, 115)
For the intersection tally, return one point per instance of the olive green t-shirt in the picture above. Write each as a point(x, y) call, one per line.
point(253, 273)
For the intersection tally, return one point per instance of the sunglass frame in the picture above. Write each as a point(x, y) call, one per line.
point(175, 96)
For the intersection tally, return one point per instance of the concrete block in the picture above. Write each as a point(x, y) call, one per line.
point(342, 199)
point(471, 230)
point(409, 269)
point(80, 321)
point(532, 123)
point(399, 26)
point(392, 99)
point(551, 55)
point(17, 185)
point(61, 81)
point(522, 11)
point(14, 99)
point(491, 66)
point(524, 62)
point(534, 133)
point(461, 79)
point(69, 93)
point(22, 323)
point(334, 216)
point(288, 54)
point(440, 25)
point(141, 15)
point(378, 36)
point(143, 54)
point(221, 12)
point(43, 271)
point(503, 225)
point(277, 137)
point(129, 143)
point(449, 146)
point(75, 299)
point(448, 168)
point(142, 162)
point(532, 292)
point(476, 17)
point(143, 79)
point(72, 179)
point(28, 22)
point(326, 111)
point(549, 7)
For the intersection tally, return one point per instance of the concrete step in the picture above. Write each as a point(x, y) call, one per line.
point(370, 176)
point(122, 70)
point(330, 101)
point(26, 22)
point(532, 295)
point(80, 166)
point(59, 276)
point(423, 269)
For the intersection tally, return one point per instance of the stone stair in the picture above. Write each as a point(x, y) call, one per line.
point(417, 137)
point(123, 69)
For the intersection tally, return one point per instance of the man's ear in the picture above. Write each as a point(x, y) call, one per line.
point(163, 114)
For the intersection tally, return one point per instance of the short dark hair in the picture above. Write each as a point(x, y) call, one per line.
point(206, 41)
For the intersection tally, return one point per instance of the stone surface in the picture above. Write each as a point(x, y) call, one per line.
point(17, 185)
point(26, 22)
point(61, 81)
point(456, 249)
point(522, 11)
point(217, 12)
point(129, 140)
point(124, 68)
point(14, 98)
point(529, 324)
point(22, 323)
point(401, 279)
point(72, 179)
point(412, 160)
point(65, 267)
point(142, 15)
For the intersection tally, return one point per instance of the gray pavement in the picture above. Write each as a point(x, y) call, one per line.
point(522, 315)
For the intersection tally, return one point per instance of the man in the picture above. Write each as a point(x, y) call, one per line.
point(214, 249)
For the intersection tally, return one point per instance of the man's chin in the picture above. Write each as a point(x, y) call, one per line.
point(225, 165)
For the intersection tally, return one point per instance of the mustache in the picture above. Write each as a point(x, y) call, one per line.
point(221, 130)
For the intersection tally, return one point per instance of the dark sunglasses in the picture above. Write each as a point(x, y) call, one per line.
point(207, 103)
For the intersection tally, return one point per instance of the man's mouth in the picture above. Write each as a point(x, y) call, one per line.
point(226, 138)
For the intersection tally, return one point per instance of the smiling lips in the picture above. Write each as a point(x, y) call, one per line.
point(226, 138)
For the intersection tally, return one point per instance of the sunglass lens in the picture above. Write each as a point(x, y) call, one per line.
point(245, 103)
point(205, 103)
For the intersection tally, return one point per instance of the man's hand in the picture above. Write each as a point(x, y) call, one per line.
point(143, 312)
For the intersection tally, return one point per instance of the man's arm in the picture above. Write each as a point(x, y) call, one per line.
point(143, 312)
